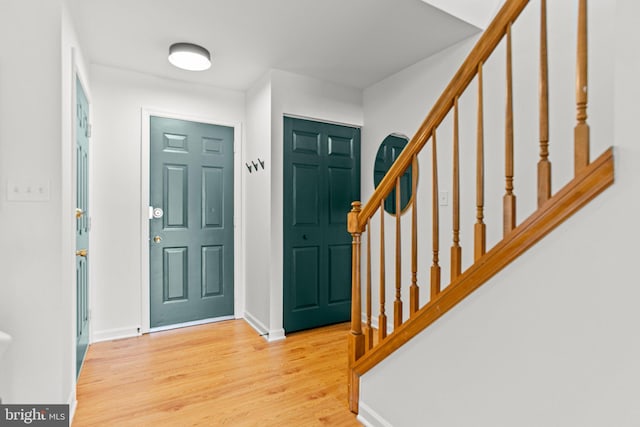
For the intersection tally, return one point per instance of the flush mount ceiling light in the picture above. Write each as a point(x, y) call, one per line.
point(189, 56)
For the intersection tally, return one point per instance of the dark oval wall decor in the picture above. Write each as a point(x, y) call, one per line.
point(388, 152)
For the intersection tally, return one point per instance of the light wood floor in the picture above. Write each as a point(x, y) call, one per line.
point(217, 374)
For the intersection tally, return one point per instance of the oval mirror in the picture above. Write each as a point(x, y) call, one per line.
point(388, 152)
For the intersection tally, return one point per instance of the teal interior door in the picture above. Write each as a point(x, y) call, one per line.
point(191, 224)
point(82, 225)
point(321, 179)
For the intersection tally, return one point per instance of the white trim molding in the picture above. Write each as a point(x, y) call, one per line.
point(260, 327)
point(276, 335)
point(370, 418)
point(116, 334)
point(271, 335)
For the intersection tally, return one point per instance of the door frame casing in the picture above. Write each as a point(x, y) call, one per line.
point(238, 259)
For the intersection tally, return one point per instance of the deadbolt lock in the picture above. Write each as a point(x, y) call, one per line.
point(157, 239)
point(79, 213)
point(82, 253)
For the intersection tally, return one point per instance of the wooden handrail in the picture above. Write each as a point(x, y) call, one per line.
point(590, 179)
point(463, 77)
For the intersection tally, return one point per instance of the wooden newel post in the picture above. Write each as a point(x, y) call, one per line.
point(356, 338)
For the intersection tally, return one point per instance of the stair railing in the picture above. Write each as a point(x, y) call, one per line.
point(367, 348)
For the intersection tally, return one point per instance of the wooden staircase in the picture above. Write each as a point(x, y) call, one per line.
point(368, 346)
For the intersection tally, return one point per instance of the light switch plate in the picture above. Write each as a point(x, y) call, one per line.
point(23, 191)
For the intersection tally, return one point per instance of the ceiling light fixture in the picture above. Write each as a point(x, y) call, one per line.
point(189, 56)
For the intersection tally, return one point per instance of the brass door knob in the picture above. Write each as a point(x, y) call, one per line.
point(82, 253)
point(79, 213)
point(157, 239)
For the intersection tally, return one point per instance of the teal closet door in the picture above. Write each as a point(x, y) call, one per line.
point(321, 179)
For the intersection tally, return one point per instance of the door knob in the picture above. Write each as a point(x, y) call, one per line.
point(157, 239)
point(82, 253)
point(79, 213)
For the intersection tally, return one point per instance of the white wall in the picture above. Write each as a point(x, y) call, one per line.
point(295, 95)
point(36, 148)
point(551, 340)
point(257, 198)
point(116, 241)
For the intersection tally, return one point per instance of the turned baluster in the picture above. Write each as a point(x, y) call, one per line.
point(581, 132)
point(414, 291)
point(544, 165)
point(382, 317)
point(397, 304)
point(456, 250)
point(368, 330)
point(509, 199)
point(435, 268)
point(480, 227)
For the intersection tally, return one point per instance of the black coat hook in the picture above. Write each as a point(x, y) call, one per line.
point(261, 162)
point(255, 165)
point(248, 167)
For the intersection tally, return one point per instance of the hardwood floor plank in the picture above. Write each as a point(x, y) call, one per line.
point(217, 374)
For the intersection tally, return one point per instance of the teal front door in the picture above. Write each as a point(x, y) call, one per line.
point(82, 225)
point(321, 179)
point(191, 221)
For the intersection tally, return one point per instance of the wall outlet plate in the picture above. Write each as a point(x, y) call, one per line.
point(444, 198)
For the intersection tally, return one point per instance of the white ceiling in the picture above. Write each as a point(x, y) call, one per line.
point(477, 12)
point(350, 42)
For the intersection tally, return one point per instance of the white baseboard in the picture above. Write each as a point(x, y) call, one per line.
point(73, 404)
point(261, 328)
point(116, 334)
point(370, 418)
point(276, 335)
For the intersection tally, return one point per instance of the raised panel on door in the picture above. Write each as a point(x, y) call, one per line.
point(176, 196)
point(212, 271)
point(340, 193)
point(191, 246)
point(306, 195)
point(175, 274)
point(305, 272)
point(212, 197)
point(339, 273)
